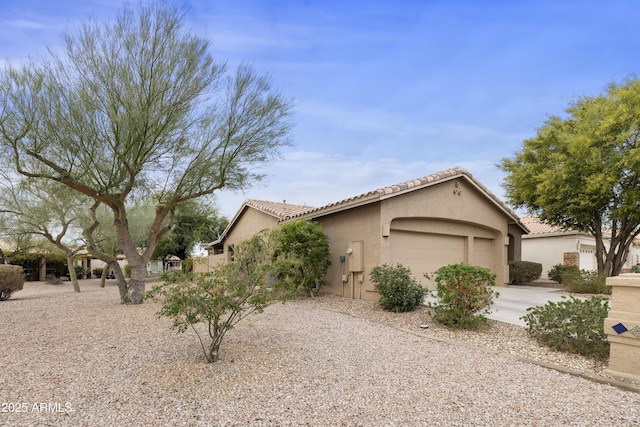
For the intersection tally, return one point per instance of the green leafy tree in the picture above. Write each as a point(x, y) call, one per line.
point(302, 254)
point(582, 172)
point(135, 108)
point(194, 222)
point(224, 297)
point(29, 208)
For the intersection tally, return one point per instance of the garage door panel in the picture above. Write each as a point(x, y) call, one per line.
point(483, 253)
point(425, 252)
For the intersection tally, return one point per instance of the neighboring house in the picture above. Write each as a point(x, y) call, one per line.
point(99, 264)
point(37, 261)
point(252, 217)
point(550, 245)
point(159, 266)
point(423, 224)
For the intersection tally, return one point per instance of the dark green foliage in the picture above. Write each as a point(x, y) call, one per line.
point(97, 272)
point(555, 273)
point(301, 254)
point(582, 171)
point(521, 272)
point(11, 280)
point(572, 325)
point(80, 271)
point(585, 282)
point(399, 291)
point(187, 265)
point(195, 222)
point(464, 295)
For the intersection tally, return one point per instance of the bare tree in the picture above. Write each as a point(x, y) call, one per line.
point(139, 107)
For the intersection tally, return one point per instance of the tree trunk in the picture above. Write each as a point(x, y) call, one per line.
point(103, 276)
point(72, 274)
point(137, 261)
point(213, 352)
point(137, 283)
point(123, 288)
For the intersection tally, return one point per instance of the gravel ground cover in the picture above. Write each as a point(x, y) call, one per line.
point(85, 360)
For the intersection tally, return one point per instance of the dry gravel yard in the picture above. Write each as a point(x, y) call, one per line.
point(85, 360)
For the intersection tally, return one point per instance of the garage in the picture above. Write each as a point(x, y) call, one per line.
point(424, 224)
point(482, 253)
point(426, 252)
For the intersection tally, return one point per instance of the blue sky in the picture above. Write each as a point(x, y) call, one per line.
point(388, 91)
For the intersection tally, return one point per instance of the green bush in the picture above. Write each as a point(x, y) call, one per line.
point(635, 268)
point(127, 270)
point(464, 294)
point(572, 325)
point(301, 254)
point(585, 282)
point(187, 265)
point(521, 272)
point(11, 280)
point(399, 291)
point(555, 273)
point(80, 271)
point(97, 272)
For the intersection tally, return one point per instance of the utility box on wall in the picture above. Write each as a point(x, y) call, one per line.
point(356, 257)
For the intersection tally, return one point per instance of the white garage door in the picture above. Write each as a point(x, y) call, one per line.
point(425, 252)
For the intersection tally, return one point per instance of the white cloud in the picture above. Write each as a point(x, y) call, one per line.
point(24, 24)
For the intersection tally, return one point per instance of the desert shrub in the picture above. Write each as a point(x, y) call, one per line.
point(399, 291)
point(127, 270)
point(464, 295)
point(52, 279)
point(11, 280)
point(572, 325)
point(97, 272)
point(222, 298)
point(521, 272)
point(635, 268)
point(301, 254)
point(555, 272)
point(585, 282)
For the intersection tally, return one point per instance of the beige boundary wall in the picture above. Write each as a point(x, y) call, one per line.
point(623, 326)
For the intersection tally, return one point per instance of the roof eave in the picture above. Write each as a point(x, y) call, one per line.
point(331, 209)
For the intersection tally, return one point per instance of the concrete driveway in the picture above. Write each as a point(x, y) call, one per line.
point(514, 301)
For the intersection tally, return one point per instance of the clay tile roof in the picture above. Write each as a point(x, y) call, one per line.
point(536, 226)
point(422, 181)
point(392, 190)
point(278, 209)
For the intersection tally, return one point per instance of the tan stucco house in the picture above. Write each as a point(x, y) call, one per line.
point(424, 224)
